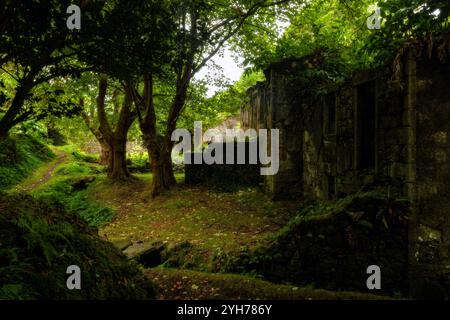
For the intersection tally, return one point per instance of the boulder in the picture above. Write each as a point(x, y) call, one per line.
point(147, 253)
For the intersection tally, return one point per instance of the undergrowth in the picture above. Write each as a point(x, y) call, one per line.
point(80, 155)
point(69, 189)
point(19, 156)
point(39, 242)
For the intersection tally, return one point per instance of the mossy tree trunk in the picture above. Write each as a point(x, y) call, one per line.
point(117, 169)
point(161, 164)
point(105, 152)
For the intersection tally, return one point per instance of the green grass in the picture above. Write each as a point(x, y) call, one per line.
point(76, 168)
point(139, 163)
point(80, 155)
point(59, 190)
point(210, 221)
point(19, 157)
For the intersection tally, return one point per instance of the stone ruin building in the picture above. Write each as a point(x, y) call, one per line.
point(387, 128)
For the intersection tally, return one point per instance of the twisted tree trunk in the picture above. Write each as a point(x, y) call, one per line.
point(159, 146)
point(113, 142)
point(159, 154)
point(14, 113)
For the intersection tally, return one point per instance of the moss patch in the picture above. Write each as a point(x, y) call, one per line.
point(65, 184)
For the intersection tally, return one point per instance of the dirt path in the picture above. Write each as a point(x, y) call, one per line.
point(61, 157)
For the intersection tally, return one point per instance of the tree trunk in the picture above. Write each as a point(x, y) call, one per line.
point(113, 142)
point(168, 166)
point(158, 180)
point(161, 163)
point(10, 118)
point(105, 153)
point(117, 169)
point(159, 147)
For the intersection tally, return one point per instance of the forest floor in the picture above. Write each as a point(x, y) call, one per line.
point(212, 221)
point(209, 220)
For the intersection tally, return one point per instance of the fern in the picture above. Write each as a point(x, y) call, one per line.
point(39, 234)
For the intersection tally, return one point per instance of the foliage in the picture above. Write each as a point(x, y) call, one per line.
point(133, 36)
point(19, 156)
point(39, 235)
point(138, 163)
point(339, 27)
point(36, 47)
point(227, 103)
point(406, 21)
point(77, 169)
point(80, 155)
point(63, 193)
point(305, 27)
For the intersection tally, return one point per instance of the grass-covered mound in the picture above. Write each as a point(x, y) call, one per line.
point(37, 244)
point(176, 284)
point(19, 156)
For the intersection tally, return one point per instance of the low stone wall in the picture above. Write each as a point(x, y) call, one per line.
point(224, 175)
point(333, 250)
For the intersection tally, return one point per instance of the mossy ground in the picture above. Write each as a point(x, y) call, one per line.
point(53, 182)
point(211, 221)
point(177, 284)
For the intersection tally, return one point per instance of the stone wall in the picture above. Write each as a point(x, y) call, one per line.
point(432, 177)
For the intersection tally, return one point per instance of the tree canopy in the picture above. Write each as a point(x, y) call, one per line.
point(147, 55)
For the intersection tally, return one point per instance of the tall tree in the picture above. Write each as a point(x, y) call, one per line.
point(136, 36)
